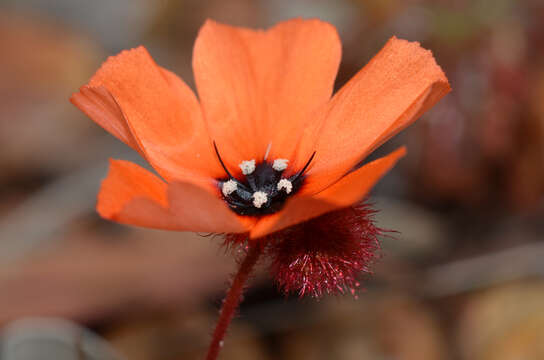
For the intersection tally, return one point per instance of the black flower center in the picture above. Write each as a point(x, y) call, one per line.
point(263, 190)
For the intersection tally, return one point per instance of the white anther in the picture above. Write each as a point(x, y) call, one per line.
point(280, 164)
point(229, 187)
point(285, 184)
point(259, 198)
point(247, 166)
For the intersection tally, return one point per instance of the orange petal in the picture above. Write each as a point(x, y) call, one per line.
point(260, 87)
point(125, 182)
point(398, 85)
point(133, 195)
point(98, 104)
point(347, 191)
point(162, 114)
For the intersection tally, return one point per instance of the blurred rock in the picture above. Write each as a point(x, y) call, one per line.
point(52, 339)
point(373, 327)
point(408, 330)
point(504, 323)
point(40, 131)
point(183, 335)
point(416, 231)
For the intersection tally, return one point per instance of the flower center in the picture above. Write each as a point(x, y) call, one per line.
point(263, 190)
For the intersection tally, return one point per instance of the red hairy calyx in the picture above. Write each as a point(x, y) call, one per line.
point(325, 255)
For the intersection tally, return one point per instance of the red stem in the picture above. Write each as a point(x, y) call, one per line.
point(232, 300)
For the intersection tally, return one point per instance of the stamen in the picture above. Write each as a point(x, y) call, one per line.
point(301, 172)
point(259, 199)
point(262, 190)
point(285, 184)
point(229, 187)
point(247, 166)
point(280, 164)
point(221, 161)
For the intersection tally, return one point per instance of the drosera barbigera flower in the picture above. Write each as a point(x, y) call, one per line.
point(265, 152)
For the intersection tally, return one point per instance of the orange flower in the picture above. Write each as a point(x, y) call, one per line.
point(286, 151)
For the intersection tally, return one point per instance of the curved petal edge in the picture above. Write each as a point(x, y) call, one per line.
point(394, 89)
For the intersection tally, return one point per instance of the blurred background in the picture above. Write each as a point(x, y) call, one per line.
point(463, 279)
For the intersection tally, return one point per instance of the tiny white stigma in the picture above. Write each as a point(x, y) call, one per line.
point(267, 150)
point(285, 184)
point(229, 187)
point(259, 198)
point(280, 164)
point(247, 166)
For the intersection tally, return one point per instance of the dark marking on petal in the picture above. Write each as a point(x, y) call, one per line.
point(265, 179)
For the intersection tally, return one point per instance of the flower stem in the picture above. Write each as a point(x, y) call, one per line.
point(232, 300)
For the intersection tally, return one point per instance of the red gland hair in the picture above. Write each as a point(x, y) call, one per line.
point(324, 255)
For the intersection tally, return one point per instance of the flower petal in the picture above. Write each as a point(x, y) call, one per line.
point(132, 195)
point(262, 87)
point(396, 87)
point(161, 112)
point(347, 191)
point(126, 181)
point(98, 104)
